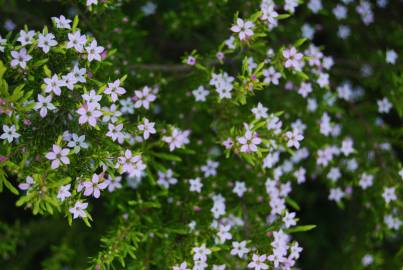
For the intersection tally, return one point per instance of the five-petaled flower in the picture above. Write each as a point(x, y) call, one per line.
point(10, 133)
point(89, 113)
point(78, 210)
point(95, 186)
point(243, 28)
point(58, 156)
point(44, 104)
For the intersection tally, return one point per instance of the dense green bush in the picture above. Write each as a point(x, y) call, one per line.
point(221, 134)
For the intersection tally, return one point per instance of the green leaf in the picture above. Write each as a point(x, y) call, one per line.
point(302, 228)
point(167, 156)
point(75, 23)
point(2, 69)
point(292, 203)
point(8, 184)
point(283, 16)
point(300, 42)
point(47, 71)
point(23, 200)
point(40, 62)
point(17, 93)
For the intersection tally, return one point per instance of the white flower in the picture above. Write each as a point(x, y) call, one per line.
point(200, 253)
point(62, 22)
point(69, 80)
point(182, 266)
point(127, 106)
point(271, 76)
point(133, 165)
point(76, 41)
point(166, 179)
point(239, 249)
point(10, 133)
point(20, 58)
point(3, 42)
point(249, 141)
point(77, 142)
point(112, 114)
point(113, 183)
point(315, 5)
point(294, 137)
point(200, 94)
point(290, 5)
point(210, 169)
point(54, 84)
point(114, 89)
point(366, 180)
point(240, 188)
point(94, 51)
point(384, 105)
point(243, 28)
point(177, 139)
point(340, 12)
point(305, 89)
point(144, 97)
point(64, 192)
point(91, 2)
point(347, 147)
point(391, 56)
point(26, 37)
point(58, 156)
point(147, 128)
point(114, 131)
point(89, 114)
point(367, 260)
point(336, 194)
point(389, 194)
point(78, 210)
point(224, 233)
point(79, 73)
point(45, 42)
point(293, 59)
point(260, 111)
point(230, 43)
point(195, 185)
point(94, 186)
point(289, 219)
point(92, 97)
point(149, 8)
point(257, 262)
point(269, 14)
point(44, 104)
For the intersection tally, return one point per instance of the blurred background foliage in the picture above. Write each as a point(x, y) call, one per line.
point(150, 48)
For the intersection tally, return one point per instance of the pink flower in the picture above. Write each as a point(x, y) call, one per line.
point(94, 186)
point(114, 90)
point(243, 28)
point(58, 156)
point(133, 165)
point(177, 139)
point(29, 182)
point(249, 141)
point(257, 262)
point(115, 132)
point(144, 97)
point(191, 61)
point(293, 59)
point(89, 113)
